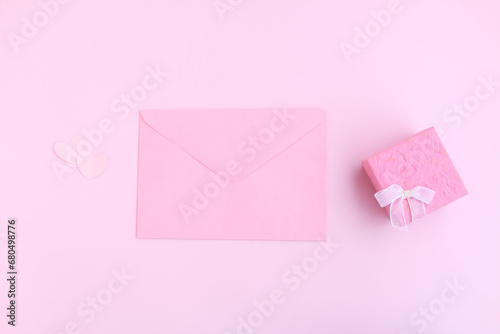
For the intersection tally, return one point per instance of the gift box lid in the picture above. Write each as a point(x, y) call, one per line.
point(419, 161)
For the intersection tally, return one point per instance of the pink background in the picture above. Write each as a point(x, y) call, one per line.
point(73, 234)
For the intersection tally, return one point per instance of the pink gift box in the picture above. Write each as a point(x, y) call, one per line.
point(420, 161)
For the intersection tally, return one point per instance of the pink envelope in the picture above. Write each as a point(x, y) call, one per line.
point(232, 174)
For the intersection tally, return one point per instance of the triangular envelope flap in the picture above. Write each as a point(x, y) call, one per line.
point(233, 140)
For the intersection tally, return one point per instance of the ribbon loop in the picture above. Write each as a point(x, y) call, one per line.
point(395, 195)
point(388, 195)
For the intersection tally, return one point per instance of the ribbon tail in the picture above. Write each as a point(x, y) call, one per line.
point(420, 197)
point(397, 214)
point(417, 208)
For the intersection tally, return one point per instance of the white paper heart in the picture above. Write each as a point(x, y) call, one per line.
point(65, 152)
point(93, 166)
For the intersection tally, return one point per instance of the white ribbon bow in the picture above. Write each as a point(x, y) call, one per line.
point(395, 195)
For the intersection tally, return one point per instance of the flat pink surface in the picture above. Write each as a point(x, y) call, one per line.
point(419, 161)
point(273, 189)
point(84, 70)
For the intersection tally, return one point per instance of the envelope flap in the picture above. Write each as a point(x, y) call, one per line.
point(237, 140)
